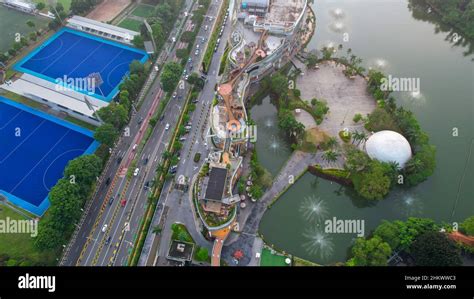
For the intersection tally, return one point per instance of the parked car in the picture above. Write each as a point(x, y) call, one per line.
point(167, 127)
point(175, 94)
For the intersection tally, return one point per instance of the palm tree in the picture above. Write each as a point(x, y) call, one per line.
point(414, 165)
point(166, 155)
point(330, 156)
point(332, 142)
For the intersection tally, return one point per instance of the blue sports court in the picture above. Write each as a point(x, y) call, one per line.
point(77, 55)
point(34, 150)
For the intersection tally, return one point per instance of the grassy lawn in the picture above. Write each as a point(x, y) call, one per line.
point(80, 123)
point(66, 3)
point(20, 246)
point(13, 22)
point(180, 232)
point(299, 262)
point(143, 11)
point(269, 259)
point(21, 99)
point(130, 24)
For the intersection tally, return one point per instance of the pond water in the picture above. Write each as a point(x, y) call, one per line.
point(387, 36)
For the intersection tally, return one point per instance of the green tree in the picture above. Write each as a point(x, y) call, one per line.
point(435, 249)
point(279, 84)
point(106, 134)
point(114, 114)
point(138, 41)
point(170, 76)
point(372, 183)
point(467, 226)
point(412, 228)
point(40, 6)
point(202, 254)
point(421, 165)
point(389, 232)
point(30, 23)
point(84, 170)
point(371, 252)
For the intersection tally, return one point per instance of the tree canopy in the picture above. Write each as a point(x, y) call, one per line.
point(435, 249)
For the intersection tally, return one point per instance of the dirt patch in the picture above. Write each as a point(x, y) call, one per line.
point(108, 10)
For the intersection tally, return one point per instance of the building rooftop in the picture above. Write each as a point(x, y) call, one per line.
point(103, 27)
point(181, 251)
point(216, 185)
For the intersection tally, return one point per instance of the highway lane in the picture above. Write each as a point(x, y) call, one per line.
point(178, 204)
point(123, 147)
point(120, 239)
point(122, 255)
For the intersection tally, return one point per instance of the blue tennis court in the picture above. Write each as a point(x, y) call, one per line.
point(69, 57)
point(34, 150)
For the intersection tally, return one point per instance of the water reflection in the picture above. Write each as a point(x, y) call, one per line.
point(421, 11)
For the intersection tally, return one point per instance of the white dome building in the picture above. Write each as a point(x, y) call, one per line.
point(389, 146)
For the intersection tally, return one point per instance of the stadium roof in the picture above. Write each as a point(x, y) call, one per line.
point(216, 185)
point(103, 27)
point(33, 87)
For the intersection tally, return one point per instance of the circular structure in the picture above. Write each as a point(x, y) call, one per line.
point(233, 125)
point(389, 146)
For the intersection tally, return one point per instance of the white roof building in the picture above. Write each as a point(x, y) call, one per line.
point(102, 29)
point(389, 146)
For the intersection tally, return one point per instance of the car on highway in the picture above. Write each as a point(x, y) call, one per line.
point(107, 181)
point(173, 168)
point(111, 200)
point(145, 162)
point(107, 242)
point(167, 127)
point(162, 117)
point(123, 202)
point(140, 120)
point(104, 228)
point(136, 172)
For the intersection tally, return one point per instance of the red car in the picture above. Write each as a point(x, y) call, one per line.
point(123, 202)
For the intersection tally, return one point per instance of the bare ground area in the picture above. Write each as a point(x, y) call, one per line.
point(108, 10)
point(345, 97)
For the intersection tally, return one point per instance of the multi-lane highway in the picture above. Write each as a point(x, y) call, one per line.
point(175, 205)
point(108, 232)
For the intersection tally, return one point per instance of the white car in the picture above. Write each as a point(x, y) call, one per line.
point(137, 170)
point(196, 53)
point(134, 147)
point(167, 127)
point(104, 228)
point(157, 68)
